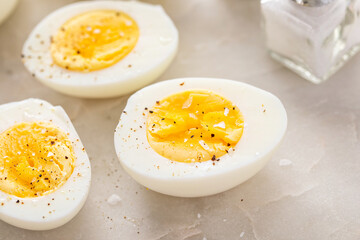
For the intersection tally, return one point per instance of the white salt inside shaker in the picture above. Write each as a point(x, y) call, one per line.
point(314, 38)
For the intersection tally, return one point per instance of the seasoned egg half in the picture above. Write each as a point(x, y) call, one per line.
point(44, 169)
point(101, 49)
point(194, 137)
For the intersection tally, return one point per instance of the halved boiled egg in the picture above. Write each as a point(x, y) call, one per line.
point(44, 169)
point(101, 49)
point(198, 136)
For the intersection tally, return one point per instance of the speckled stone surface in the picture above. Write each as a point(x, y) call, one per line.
point(309, 190)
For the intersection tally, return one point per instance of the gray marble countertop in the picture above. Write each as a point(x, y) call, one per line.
point(316, 197)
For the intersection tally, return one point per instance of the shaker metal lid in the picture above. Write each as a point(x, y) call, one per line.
point(313, 3)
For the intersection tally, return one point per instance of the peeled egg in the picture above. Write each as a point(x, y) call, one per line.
point(101, 49)
point(194, 137)
point(44, 169)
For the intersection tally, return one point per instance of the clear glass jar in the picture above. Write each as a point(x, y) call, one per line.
point(314, 38)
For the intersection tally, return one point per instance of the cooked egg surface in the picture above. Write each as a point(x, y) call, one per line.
point(99, 49)
point(37, 159)
point(194, 126)
point(94, 40)
point(259, 114)
point(6, 7)
point(44, 169)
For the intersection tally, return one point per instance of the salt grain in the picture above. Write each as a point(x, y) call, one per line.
point(204, 145)
point(220, 125)
point(285, 162)
point(113, 199)
point(187, 103)
point(192, 116)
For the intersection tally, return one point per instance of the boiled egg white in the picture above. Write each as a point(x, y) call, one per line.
point(194, 137)
point(101, 49)
point(44, 169)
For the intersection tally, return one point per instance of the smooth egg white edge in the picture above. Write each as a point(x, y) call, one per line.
point(70, 197)
point(153, 53)
point(263, 132)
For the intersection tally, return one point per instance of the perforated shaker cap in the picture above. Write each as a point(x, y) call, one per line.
point(313, 3)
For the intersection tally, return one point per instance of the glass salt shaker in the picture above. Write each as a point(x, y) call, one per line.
point(314, 38)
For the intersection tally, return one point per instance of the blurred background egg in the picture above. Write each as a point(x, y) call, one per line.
point(6, 7)
point(101, 49)
point(44, 169)
point(194, 137)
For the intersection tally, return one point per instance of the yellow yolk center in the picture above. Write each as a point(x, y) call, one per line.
point(194, 126)
point(35, 159)
point(94, 40)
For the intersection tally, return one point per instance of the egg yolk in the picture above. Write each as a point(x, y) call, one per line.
point(194, 126)
point(35, 159)
point(94, 40)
